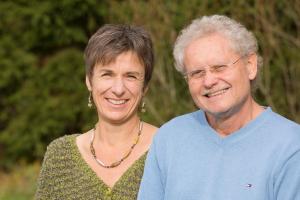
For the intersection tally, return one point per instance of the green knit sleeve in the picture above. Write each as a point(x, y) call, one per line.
point(46, 183)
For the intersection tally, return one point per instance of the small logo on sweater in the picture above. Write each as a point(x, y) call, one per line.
point(249, 185)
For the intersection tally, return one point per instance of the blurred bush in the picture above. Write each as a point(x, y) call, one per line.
point(42, 78)
point(20, 183)
point(42, 89)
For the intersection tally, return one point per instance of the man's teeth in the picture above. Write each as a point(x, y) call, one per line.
point(116, 102)
point(216, 93)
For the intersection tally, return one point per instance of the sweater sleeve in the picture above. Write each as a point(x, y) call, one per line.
point(287, 183)
point(46, 182)
point(152, 185)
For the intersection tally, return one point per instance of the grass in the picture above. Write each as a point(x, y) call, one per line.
point(20, 183)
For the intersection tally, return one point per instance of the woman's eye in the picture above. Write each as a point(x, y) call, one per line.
point(132, 77)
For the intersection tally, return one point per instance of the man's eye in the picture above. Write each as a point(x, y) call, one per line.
point(219, 68)
point(197, 73)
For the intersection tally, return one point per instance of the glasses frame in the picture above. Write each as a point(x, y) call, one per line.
point(187, 74)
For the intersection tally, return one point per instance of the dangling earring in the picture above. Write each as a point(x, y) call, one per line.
point(143, 109)
point(90, 103)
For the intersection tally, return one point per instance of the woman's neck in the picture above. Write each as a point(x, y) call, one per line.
point(116, 134)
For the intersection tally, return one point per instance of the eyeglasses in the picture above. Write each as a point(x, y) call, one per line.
point(215, 69)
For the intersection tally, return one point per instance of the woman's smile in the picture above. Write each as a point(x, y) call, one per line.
point(116, 101)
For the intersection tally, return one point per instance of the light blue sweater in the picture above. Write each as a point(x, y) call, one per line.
point(189, 161)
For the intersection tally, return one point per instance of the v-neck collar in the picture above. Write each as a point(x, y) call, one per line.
point(94, 178)
point(234, 137)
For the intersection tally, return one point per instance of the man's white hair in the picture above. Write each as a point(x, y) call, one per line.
point(242, 41)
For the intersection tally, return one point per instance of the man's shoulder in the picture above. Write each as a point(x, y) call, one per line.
point(285, 130)
point(185, 119)
point(180, 125)
point(280, 122)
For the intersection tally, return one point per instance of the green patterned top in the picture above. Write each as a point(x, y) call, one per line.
point(66, 175)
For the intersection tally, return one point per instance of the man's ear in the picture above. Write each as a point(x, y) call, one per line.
point(88, 83)
point(252, 66)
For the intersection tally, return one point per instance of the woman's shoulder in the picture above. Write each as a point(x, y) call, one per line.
point(61, 146)
point(151, 129)
point(147, 135)
point(62, 141)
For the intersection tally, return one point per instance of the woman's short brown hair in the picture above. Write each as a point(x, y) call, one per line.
point(113, 39)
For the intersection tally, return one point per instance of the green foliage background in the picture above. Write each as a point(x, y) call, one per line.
point(42, 89)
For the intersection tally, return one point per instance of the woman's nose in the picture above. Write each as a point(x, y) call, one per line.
point(118, 86)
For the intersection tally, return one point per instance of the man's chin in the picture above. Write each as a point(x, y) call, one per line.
point(221, 112)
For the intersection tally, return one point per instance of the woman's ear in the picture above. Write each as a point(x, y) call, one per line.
point(88, 83)
point(145, 89)
point(252, 66)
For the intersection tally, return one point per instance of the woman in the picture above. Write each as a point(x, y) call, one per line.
point(106, 162)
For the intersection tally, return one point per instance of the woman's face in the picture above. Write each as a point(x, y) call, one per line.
point(117, 87)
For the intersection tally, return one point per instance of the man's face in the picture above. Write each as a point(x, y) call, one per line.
point(218, 77)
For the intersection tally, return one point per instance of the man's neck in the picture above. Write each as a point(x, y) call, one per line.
point(227, 123)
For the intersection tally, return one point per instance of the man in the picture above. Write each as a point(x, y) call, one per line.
point(233, 148)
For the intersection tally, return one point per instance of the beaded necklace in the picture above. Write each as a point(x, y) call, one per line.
point(117, 163)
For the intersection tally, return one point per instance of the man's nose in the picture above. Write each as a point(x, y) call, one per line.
point(209, 79)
